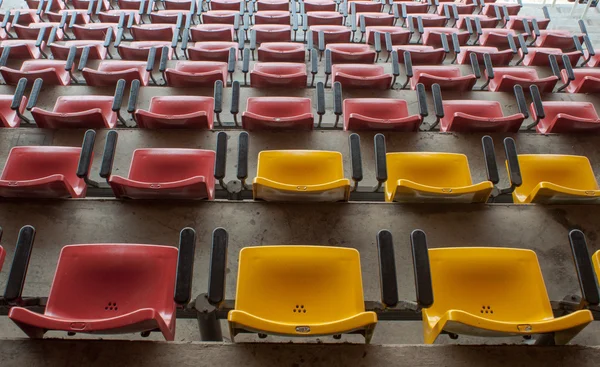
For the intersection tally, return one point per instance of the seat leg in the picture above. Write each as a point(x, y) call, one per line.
point(31, 331)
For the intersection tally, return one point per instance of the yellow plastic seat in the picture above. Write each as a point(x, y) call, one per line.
point(552, 179)
point(596, 261)
point(307, 175)
point(437, 177)
point(493, 292)
point(300, 291)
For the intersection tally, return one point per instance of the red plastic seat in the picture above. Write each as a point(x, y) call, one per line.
point(212, 32)
point(278, 74)
point(26, 16)
point(22, 49)
point(81, 16)
point(421, 55)
point(220, 16)
point(281, 52)
point(42, 172)
point(497, 37)
point(331, 33)
point(400, 36)
point(379, 114)
point(376, 19)
point(168, 16)
point(153, 32)
point(277, 5)
point(362, 7)
point(557, 39)
point(413, 7)
point(32, 31)
point(272, 32)
point(168, 173)
point(114, 15)
point(428, 20)
point(490, 11)
point(56, 4)
point(500, 58)
point(94, 31)
point(196, 74)
point(462, 8)
point(109, 73)
point(61, 51)
point(85, 4)
point(478, 116)
point(538, 56)
point(361, 76)
point(587, 80)
point(135, 4)
point(272, 17)
point(447, 76)
point(485, 21)
point(108, 289)
point(172, 112)
point(324, 18)
point(516, 22)
point(9, 117)
point(567, 117)
point(432, 35)
point(278, 113)
point(83, 111)
point(51, 71)
point(176, 4)
point(211, 51)
point(505, 78)
point(224, 5)
point(358, 53)
point(139, 50)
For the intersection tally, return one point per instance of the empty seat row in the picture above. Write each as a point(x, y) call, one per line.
point(120, 288)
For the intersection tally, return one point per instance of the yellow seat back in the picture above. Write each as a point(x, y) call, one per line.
point(300, 167)
point(431, 169)
point(501, 284)
point(596, 261)
point(571, 171)
point(299, 284)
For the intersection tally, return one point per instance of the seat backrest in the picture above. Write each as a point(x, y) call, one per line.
point(168, 165)
point(570, 171)
point(431, 169)
point(108, 280)
point(279, 106)
point(300, 167)
point(30, 163)
point(502, 284)
point(301, 283)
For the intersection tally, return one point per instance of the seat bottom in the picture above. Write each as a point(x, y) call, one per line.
point(51, 187)
point(409, 191)
point(549, 193)
point(193, 188)
point(269, 190)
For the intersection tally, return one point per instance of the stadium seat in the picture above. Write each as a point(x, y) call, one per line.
point(399, 35)
point(430, 177)
point(324, 18)
point(211, 51)
point(135, 4)
point(466, 21)
point(300, 175)
point(225, 5)
point(587, 80)
point(550, 178)
point(557, 38)
point(170, 16)
point(431, 36)
point(448, 77)
point(420, 54)
point(457, 8)
point(93, 31)
point(176, 112)
point(486, 292)
point(166, 173)
point(361, 76)
point(212, 32)
point(351, 53)
point(154, 31)
point(375, 19)
point(539, 56)
point(498, 58)
point(378, 113)
point(98, 50)
point(272, 17)
point(281, 52)
point(278, 74)
point(504, 79)
point(175, 4)
point(477, 115)
point(24, 49)
point(13, 106)
point(81, 16)
point(333, 33)
point(314, 5)
point(563, 117)
point(188, 74)
point(516, 22)
point(412, 7)
point(272, 33)
point(282, 5)
point(53, 72)
point(277, 298)
point(139, 50)
point(509, 9)
point(78, 111)
point(109, 288)
point(114, 16)
point(48, 171)
point(428, 19)
point(496, 37)
point(110, 72)
point(220, 16)
point(32, 31)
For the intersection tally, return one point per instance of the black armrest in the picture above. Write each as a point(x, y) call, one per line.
point(130, 20)
point(352, 25)
point(119, 37)
point(469, 26)
point(327, 65)
point(41, 36)
point(5, 19)
point(118, 98)
point(218, 267)
point(199, 10)
point(221, 158)
point(475, 65)
point(174, 39)
point(73, 19)
point(420, 26)
point(511, 44)
point(478, 26)
point(110, 148)
point(505, 12)
point(582, 26)
point(231, 62)
point(309, 42)
point(438, 104)
point(236, 19)
point(218, 96)
point(192, 10)
point(151, 59)
point(363, 27)
point(420, 256)
point(314, 65)
point(422, 100)
point(337, 101)
point(133, 96)
point(444, 39)
point(185, 266)
point(489, 153)
point(377, 43)
point(63, 19)
point(235, 101)
point(578, 45)
point(40, 7)
point(408, 67)
point(18, 96)
point(537, 102)
point(568, 67)
point(388, 280)
point(514, 170)
point(242, 162)
point(521, 103)
point(108, 38)
point(18, 269)
point(71, 57)
point(589, 46)
point(35, 93)
point(404, 11)
point(584, 268)
point(86, 155)
point(246, 64)
point(150, 7)
point(305, 24)
point(252, 42)
point(320, 101)
point(395, 68)
point(554, 65)
point(489, 68)
point(526, 28)
point(498, 14)
point(380, 159)
point(447, 13)
point(51, 37)
point(455, 46)
point(321, 40)
point(355, 159)
point(411, 26)
point(388, 42)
